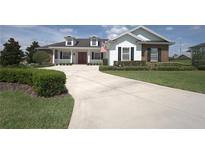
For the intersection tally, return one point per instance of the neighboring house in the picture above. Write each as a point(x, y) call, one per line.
point(183, 57)
point(198, 54)
point(137, 44)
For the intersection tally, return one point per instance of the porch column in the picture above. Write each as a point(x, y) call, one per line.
point(53, 57)
point(71, 56)
point(88, 56)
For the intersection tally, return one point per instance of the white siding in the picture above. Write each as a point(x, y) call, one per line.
point(113, 54)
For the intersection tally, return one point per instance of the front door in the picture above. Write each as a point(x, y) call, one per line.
point(82, 57)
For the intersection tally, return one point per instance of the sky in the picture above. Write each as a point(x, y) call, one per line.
point(184, 36)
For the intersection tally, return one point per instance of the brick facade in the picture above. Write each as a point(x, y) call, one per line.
point(164, 51)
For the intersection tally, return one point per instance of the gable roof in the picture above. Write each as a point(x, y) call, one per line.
point(82, 42)
point(145, 28)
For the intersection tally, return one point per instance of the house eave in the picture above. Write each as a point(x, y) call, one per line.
point(73, 47)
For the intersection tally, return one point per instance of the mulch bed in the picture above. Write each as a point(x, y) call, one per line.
point(4, 86)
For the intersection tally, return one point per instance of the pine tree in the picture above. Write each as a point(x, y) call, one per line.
point(30, 51)
point(11, 54)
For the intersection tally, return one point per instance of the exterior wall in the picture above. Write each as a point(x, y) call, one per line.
point(124, 41)
point(164, 51)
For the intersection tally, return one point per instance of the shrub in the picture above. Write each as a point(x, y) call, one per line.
point(49, 83)
point(201, 67)
point(45, 82)
point(166, 64)
point(41, 57)
point(146, 68)
point(129, 63)
point(125, 68)
point(16, 75)
point(173, 68)
point(105, 61)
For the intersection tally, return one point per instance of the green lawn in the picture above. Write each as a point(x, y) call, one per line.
point(187, 80)
point(19, 110)
point(182, 61)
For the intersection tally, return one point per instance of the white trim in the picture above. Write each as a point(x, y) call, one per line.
point(74, 48)
point(71, 56)
point(53, 58)
point(145, 28)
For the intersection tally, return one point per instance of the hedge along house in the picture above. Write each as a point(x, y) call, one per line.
point(138, 44)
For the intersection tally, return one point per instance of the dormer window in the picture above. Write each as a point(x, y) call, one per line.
point(69, 41)
point(94, 41)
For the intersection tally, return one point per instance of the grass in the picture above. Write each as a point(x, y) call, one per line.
point(182, 61)
point(187, 80)
point(19, 110)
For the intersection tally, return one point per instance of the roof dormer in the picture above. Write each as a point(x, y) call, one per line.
point(69, 41)
point(93, 41)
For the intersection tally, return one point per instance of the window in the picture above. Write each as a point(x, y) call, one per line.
point(94, 42)
point(69, 42)
point(154, 55)
point(97, 55)
point(125, 54)
point(66, 55)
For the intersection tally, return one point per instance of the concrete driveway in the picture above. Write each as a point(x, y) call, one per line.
point(107, 101)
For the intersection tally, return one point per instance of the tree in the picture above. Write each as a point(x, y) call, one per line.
point(30, 51)
point(41, 57)
point(11, 54)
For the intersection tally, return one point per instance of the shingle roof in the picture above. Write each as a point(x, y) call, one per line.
point(199, 45)
point(78, 43)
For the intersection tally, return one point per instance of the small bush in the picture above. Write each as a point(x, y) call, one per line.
point(201, 67)
point(129, 63)
point(45, 82)
point(105, 61)
point(41, 57)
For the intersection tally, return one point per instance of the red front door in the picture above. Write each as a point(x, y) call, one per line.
point(82, 57)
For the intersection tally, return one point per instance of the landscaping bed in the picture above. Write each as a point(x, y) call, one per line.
point(147, 66)
point(45, 83)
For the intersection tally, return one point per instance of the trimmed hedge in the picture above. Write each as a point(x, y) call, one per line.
point(46, 83)
point(201, 67)
point(129, 63)
point(167, 64)
point(146, 68)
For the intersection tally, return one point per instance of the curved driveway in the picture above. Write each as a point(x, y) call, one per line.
point(107, 101)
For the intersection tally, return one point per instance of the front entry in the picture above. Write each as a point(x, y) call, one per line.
point(82, 57)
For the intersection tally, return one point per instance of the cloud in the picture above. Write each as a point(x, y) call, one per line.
point(195, 27)
point(26, 34)
point(169, 28)
point(24, 26)
point(114, 31)
point(66, 30)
